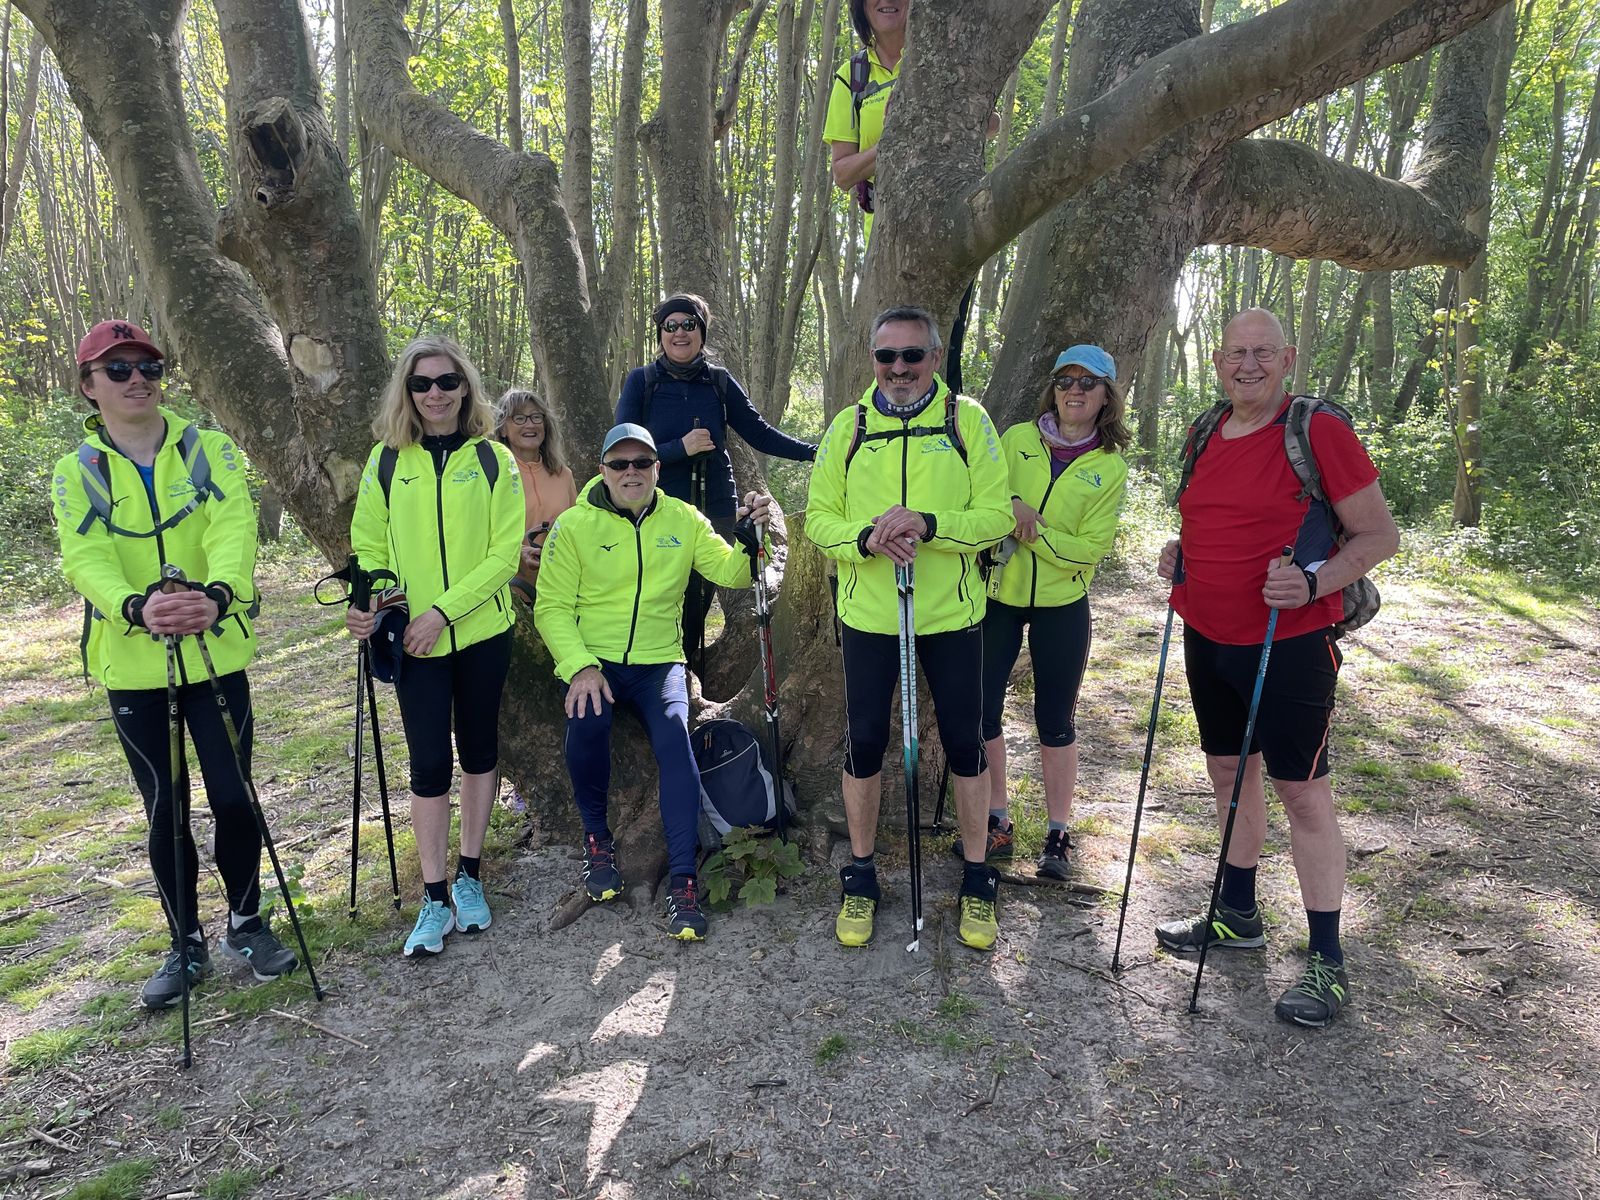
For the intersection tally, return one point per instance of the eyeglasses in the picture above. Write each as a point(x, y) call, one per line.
point(526, 418)
point(120, 370)
point(418, 385)
point(912, 354)
point(1260, 353)
point(688, 325)
point(1084, 383)
point(622, 464)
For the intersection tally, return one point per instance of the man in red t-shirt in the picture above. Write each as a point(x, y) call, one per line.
point(1242, 506)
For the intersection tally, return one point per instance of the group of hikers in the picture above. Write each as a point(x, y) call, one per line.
point(464, 502)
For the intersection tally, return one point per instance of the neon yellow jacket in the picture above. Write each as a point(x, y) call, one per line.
point(1078, 512)
point(214, 543)
point(452, 542)
point(612, 589)
point(969, 502)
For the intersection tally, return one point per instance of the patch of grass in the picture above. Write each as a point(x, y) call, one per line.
point(831, 1047)
point(1371, 768)
point(230, 1184)
point(956, 1006)
point(46, 1048)
point(124, 1181)
point(169, 1118)
point(25, 928)
point(1459, 803)
point(1434, 772)
point(19, 977)
point(1096, 825)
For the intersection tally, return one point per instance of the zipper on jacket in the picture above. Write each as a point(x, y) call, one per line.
point(444, 558)
point(638, 586)
point(905, 458)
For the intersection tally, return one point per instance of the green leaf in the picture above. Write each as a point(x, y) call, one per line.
point(762, 890)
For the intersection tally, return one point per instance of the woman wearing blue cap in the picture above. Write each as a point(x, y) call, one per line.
point(1067, 482)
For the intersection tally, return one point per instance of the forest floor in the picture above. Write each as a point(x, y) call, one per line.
point(607, 1060)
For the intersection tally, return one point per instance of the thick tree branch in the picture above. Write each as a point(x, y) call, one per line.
point(728, 106)
point(1192, 79)
point(616, 277)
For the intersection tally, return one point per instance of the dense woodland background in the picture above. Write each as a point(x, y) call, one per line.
point(1394, 345)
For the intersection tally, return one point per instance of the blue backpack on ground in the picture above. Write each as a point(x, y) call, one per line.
point(737, 787)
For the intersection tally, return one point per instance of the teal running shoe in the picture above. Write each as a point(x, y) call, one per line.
point(433, 922)
point(472, 910)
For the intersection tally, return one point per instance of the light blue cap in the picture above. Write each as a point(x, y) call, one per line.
point(1091, 358)
point(627, 432)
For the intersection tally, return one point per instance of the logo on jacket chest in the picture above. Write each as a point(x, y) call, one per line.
point(667, 541)
point(465, 474)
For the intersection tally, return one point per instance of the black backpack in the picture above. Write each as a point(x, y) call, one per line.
point(652, 377)
point(1321, 526)
point(861, 86)
point(737, 786)
point(388, 457)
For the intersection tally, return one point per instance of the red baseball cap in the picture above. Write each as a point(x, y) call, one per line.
point(112, 335)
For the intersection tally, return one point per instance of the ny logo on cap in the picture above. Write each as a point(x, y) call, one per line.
point(122, 331)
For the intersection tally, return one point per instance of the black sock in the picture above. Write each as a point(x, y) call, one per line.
point(869, 863)
point(978, 880)
point(1325, 935)
point(437, 891)
point(468, 866)
point(1239, 888)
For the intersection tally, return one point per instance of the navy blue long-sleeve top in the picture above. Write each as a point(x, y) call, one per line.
point(673, 412)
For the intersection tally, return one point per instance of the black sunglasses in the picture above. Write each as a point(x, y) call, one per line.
point(688, 325)
point(120, 370)
point(418, 385)
point(622, 464)
point(912, 354)
point(1084, 383)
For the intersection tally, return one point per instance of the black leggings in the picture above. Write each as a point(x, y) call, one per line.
point(953, 663)
point(468, 683)
point(1058, 644)
point(141, 721)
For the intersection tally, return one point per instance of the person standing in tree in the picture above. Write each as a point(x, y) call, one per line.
point(148, 490)
point(911, 473)
point(440, 506)
point(1067, 482)
point(690, 405)
point(611, 592)
point(1243, 503)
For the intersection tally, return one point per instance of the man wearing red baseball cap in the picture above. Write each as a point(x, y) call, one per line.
point(147, 490)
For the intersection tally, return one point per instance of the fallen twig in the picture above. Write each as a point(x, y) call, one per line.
point(40, 1135)
point(987, 1100)
point(333, 1033)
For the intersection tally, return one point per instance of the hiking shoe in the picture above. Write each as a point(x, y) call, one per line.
point(1322, 991)
point(472, 910)
point(255, 945)
point(853, 926)
point(1053, 858)
point(433, 922)
point(685, 921)
point(1232, 929)
point(166, 986)
point(999, 845)
point(601, 878)
point(979, 926)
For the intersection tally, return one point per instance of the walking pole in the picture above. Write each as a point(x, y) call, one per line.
point(1238, 784)
point(179, 820)
point(1144, 778)
point(769, 673)
point(905, 584)
point(174, 575)
point(383, 778)
point(697, 497)
point(360, 596)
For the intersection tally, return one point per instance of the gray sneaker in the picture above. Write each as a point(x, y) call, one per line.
point(1230, 928)
point(1322, 991)
point(255, 945)
point(166, 986)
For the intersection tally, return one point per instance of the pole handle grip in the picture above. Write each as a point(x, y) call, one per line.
point(360, 584)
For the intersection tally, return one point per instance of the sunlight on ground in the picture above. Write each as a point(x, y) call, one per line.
point(614, 1092)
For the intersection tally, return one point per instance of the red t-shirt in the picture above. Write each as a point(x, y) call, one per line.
point(1239, 512)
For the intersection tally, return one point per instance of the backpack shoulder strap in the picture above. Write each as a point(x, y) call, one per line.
point(196, 463)
point(860, 77)
point(96, 477)
point(96, 480)
point(387, 458)
point(1297, 441)
point(652, 376)
point(860, 434)
point(719, 384)
point(1200, 431)
point(489, 461)
point(952, 422)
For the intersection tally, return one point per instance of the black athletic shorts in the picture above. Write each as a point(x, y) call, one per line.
point(1296, 699)
point(952, 662)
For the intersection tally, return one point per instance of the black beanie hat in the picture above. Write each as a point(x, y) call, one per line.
point(682, 302)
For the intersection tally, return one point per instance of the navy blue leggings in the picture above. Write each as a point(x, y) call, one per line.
point(658, 695)
point(1058, 644)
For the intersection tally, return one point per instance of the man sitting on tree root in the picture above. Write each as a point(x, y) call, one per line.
point(1242, 504)
point(911, 473)
point(610, 608)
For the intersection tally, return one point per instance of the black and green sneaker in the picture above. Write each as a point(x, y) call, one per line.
point(1055, 858)
point(1322, 991)
point(166, 986)
point(1230, 928)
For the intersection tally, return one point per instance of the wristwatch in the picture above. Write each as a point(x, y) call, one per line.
point(1311, 582)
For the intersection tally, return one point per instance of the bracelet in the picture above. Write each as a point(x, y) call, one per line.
point(1311, 583)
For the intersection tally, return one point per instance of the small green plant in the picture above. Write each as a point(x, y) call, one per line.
point(170, 1117)
point(830, 1048)
point(124, 1181)
point(749, 866)
point(234, 1183)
